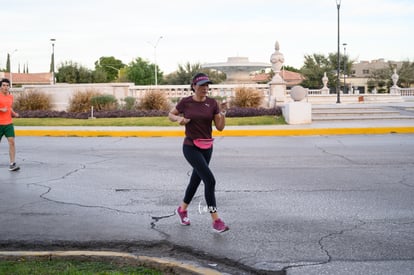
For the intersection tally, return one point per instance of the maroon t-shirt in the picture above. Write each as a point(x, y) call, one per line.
point(201, 115)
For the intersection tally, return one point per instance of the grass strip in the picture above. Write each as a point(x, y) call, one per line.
point(139, 121)
point(71, 267)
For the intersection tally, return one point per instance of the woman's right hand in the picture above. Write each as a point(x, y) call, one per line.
point(184, 121)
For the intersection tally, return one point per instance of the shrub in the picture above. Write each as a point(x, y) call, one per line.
point(32, 100)
point(43, 114)
point(81, 101)
point(175, 100)
point(232, 112)
point(247, 98)
point(154, 100)
point(86, 115)
point(104, 102)
point(130, 103)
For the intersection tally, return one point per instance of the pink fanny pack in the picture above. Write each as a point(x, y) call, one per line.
point(203, 143)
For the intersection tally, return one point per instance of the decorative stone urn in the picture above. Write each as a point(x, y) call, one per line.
point(394, 78)
point(277, 59)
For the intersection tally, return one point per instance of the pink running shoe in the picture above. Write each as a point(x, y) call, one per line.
point(182, 214)
point(220, 226)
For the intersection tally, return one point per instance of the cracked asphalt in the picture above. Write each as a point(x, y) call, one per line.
point(295, 204)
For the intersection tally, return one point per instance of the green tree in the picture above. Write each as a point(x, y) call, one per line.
point(406, 74)
point(317, 64)
point(99, 76)
point(291, 69)
point(71, 72)
point(111, 66)
point(141, 72)
point(185, 73)
point(8, 63)
point(313, 70)
point(380, 79)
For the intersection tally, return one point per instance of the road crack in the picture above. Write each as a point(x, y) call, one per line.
point(324, 249)
point(49, 189)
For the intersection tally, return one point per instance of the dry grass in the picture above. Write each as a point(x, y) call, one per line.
point(32, 100)
point(155, 100)
point(247, 98)
point(81, 100)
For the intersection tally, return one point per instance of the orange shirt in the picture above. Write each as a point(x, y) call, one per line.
point(6, 101)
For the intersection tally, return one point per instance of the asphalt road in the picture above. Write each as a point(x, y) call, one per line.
point(295, 204)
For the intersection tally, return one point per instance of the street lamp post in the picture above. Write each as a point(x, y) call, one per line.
point(11, 69)
point(52, 64)
point(344, 44)
point(155, 59)
point(338, 97)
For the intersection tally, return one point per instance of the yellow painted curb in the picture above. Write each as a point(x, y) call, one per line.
point(157, 263)
point(318, 131)
point(100, 133)
point(229, 132)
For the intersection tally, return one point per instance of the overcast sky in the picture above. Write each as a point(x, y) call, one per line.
point(201, 31)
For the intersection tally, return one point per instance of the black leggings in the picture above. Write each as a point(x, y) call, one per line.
point(199, 160)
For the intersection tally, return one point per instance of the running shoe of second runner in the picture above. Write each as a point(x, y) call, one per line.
point(13, 167)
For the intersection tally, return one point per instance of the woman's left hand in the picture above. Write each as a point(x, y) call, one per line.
point(223, 106)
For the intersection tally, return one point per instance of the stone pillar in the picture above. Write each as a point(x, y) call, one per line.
point(325, 89)
point(277, 94)
point(298, 111)
point(395, 90)
point(277, 84)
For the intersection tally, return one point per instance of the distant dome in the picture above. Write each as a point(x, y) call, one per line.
point(237, 69)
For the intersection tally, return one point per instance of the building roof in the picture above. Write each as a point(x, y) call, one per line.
point(291, 78)
point(366, 68)
point(28, 78)
point(239, 64)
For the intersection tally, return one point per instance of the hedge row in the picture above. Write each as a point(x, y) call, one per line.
point(232, 112)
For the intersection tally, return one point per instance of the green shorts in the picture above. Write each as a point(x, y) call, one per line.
point(7, 130)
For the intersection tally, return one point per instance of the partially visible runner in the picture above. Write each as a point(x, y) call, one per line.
point(6, 121)
point(197, 112)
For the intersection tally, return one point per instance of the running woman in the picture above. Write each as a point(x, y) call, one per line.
point(197, 112)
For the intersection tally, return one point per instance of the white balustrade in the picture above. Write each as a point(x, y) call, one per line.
point(61, 93)
point(406, 91)
point(314, 91)
point(179, 91)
